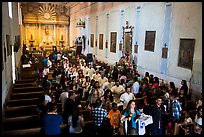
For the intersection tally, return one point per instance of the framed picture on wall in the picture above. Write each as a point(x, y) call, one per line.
point(92, 40)
point(17, 43)
point(186, 53)
point(113, 42)
point(8, 45)
point(135, 48)
point(100, 41)
point(96, 43)
point(150, 40)
point(2, 60)
point(4, 54)
point(120, 46)
point(164, 53)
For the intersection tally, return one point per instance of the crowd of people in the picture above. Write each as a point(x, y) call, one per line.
point(110, 94)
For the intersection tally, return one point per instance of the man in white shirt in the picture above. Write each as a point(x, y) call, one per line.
point(102, 80)
point(117, 90)
point(63, 97)
point(126, 97)
point(90, 71)
point(135, 86)
point(96, 76)
point(108, 85)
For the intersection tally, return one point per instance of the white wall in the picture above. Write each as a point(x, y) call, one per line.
point(186, 22)
point(9, 27)
point(151, 19)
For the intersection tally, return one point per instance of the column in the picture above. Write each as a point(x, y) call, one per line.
point(96, 36)
point(136, 34)
point(54, 34)
point(87, 34)
point(107, 35)
point(166, 35)
point(121, 32)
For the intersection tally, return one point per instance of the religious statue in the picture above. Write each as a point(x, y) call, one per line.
point(47, 40)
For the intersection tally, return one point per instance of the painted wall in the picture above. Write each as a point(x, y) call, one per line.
point(185, 23)
point(12, 29)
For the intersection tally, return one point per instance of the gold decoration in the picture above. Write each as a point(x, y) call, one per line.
point(47, 12)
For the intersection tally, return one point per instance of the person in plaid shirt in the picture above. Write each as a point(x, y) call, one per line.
point(175, 108)
point(98, 114)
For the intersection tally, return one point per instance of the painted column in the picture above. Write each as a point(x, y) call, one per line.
point(136, 34)
point(87, 35)
point(166, 35)
point(55, 34)
point(107, 34)
point(96, 36)
point(39, 35)
point(120, 32)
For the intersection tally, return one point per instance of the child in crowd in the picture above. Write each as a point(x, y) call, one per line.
point(114, 115)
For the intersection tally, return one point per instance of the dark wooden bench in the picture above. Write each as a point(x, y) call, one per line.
point(23, 85)
point(21, 111)
point(190, 105)
point(27, 89)
point(22, 102)
point(26, 95)
point(31, 131)
point(22, 81)
point(23, 132)
point(26, 74)
point(23, 122)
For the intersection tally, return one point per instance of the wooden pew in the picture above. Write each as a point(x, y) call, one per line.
point(23, 132)
point(190, 105)
point(23, 85)
point(26, 74)
point(22, 81)
point(31, 131)
point(26, 95)
point(22, 102)
point(27, 89)
point(23, 122)
point(20, 111)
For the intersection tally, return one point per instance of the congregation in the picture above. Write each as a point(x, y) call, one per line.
point(116, 96)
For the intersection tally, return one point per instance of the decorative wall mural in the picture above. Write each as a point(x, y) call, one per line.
point(113, 42)
point(186, 52)
point(47, 12)
point(150, 40)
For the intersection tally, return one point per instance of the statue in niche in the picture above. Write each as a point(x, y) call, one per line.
point(47, 40)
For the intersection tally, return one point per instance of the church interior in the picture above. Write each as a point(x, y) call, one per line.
point(60, 57)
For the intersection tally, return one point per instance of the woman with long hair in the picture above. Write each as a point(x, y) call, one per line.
point(129, 115)
point(86, 86)
point(107, 99)
point(184, 87)
point(198, 121)
point(76, 122)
